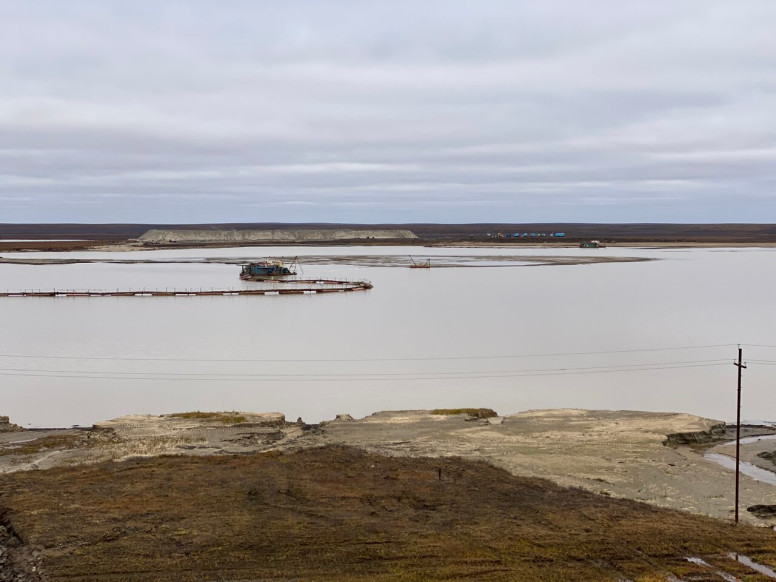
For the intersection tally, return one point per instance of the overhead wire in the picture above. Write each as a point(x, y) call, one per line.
point(389, 359)
point(367, 376)
point(362, 377)
point(227, 374)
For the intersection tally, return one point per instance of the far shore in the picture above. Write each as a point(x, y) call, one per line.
point(18, 246)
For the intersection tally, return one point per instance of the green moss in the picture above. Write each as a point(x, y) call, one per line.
point(475, 412)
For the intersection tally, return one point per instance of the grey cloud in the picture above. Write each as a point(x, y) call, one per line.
point(405, 111)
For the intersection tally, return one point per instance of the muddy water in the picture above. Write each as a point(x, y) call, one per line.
point(747, 469)
point(511, 339)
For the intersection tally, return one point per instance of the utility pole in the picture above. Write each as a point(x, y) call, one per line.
point(740, 365)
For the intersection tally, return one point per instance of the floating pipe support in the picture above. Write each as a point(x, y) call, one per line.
point(293, 287)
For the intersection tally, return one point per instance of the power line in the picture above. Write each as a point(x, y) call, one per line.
point(362, 377)
point(367, 374)
point(341, 360)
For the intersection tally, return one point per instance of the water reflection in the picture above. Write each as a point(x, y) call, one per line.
point(747, 469)
point(436, 338)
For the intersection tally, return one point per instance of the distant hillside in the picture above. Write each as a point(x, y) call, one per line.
point(746, 233)
point(274, 235)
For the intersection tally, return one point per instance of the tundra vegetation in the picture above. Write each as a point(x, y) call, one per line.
point(340, 513)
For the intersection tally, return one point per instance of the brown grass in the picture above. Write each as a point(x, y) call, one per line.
point(225, 417)
point(475, 412)
point(43, 444)
point(338, 513)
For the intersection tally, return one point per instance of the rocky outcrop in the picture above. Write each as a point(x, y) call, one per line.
point(714, 433)
point(279, 236)
point(763, 511)
point(7, 426)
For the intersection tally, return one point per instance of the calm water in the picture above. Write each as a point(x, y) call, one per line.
point(419, 339)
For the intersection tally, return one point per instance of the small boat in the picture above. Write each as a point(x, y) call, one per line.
point(420, 264)
point(263, 269)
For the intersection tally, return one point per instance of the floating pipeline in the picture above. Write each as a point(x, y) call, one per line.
point(274, 287)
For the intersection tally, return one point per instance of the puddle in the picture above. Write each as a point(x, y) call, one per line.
point(748, 469)
point(741, 559)
point(753, 439)
point(724, 575)
point(746, 561)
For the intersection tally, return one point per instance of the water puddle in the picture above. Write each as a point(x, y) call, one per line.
point(746, 561)
point(748, 469)
point(741, 559)
point(753, 439)
point(724, 575)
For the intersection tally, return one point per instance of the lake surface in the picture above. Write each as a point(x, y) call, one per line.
point(507, 336)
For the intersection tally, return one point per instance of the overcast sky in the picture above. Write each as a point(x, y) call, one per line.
point(394, 111)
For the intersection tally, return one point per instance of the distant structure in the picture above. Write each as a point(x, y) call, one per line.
point(156, 236)
point(526, 235)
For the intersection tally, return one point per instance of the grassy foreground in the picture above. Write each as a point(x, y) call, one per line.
point(338, 513)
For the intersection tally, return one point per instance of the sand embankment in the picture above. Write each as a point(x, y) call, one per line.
point(155, 236)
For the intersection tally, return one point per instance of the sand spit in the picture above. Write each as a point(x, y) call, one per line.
point(614, 453)
point(403, 261)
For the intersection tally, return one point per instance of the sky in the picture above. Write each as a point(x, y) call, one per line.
point(387, 112)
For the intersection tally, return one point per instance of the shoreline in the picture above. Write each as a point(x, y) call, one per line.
point(427, 494)
point(130, 246)
point(651, 457)
point(444, 261)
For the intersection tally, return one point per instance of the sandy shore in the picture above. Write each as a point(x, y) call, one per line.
point(130, 246)
point(614, 453)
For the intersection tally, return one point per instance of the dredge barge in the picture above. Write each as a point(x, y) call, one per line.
point(261, 270)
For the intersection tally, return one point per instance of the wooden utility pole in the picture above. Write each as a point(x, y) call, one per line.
point(740, 365)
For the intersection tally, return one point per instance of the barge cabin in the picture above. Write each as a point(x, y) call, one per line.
point(264, 269)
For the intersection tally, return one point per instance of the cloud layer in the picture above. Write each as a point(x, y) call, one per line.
point(447, 111)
